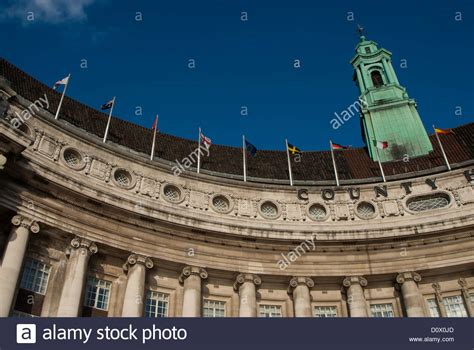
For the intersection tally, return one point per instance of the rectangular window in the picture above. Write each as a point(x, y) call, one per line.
point(157, 304)
point(270, 311)
point(433, 307)
point(381, 310)
point(213, 308)
point(454, 306)
point(22, 314)
point(35, 276)
point(471, 296)
point(97, 293)
point(325, 311)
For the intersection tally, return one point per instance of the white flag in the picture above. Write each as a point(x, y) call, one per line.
point(63, 81)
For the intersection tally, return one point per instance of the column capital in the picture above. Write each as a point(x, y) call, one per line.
point(300, 281)
point(192, 270)
point(246, 277)
point(350, 280)
point(85, 245)
point(408, 276)
point(22, 221)
point(134, 259)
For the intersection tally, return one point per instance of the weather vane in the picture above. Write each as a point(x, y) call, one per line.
point(360, 30)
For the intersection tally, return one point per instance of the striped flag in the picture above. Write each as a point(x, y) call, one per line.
point(206, 141)
point(338, 146)
point(63, 81)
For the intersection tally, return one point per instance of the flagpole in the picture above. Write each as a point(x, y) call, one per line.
point(289, 162)
point(244, 158)
point(334, 163)
point(199, 151)
point(380, 163)
point(108, 121)
point(154, 138)
point(442, 149)
point(62, 97)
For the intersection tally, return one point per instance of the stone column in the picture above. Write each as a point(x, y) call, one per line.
point(13, 260)
point(466, 296)
point(355, 296)
point(3, 161)
point(136, 266)
point(246, 285)
point(388, 73)
point(70, 304)
point(299, 287)
point(361, 81)
point(412, 297)
point(191, 279)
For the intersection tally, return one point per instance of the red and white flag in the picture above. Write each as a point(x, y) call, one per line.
point(63, 81)
point(206, 141)
point(338, 146)
point(382, 144)
point(155, 124)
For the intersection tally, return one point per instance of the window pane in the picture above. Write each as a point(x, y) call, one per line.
point(381, 310)
point(97, 293)
point(325, 311)
point(270, 311)
point(35, 276)
point(213, 308)
point(433, 307)
point(156, 304)
point(455, 306)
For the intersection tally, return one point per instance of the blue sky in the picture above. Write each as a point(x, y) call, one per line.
point(244, 63)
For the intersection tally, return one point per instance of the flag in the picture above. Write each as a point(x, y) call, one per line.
point(206, 141)
point(107, 105)
point(63, 81)
point(155, 124)
point(338, 146)
point(251, 149)
point(444, 131)
point(293, 149)
point(381, 144)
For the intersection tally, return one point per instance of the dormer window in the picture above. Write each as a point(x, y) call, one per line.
point(367, 49)
point(377, 80)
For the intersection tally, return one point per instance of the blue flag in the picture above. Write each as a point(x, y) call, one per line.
point(251, 149)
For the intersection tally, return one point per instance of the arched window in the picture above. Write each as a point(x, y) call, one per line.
point(376, 78)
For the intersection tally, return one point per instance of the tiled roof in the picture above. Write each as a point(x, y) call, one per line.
point(314, 166)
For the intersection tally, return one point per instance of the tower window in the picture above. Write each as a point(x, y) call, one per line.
point(376, 78)
point(367, 50)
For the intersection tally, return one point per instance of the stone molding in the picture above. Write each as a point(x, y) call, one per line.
point(300, 281)
point(246, 277)
point(86, 246)
point(134, 259)
point(408, 276)
point(22, 221)
point(192, 270)
point(348, 281)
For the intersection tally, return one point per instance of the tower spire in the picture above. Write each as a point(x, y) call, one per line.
point(389, 114)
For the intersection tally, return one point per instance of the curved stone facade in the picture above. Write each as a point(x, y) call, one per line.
point(102, 231)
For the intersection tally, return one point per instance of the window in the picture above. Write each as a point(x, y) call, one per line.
point(471, 296)
point(269, 210)
point(213, 308)
point(35, 276)
point(317, 212)
point(221, 204)
point(97, 293)
point(381, 310)
point(123, 178)
point(325, 311)
point(433, 307)
point(430, 202)
point(270, 311)
point(454, 306)
point(366, 210)
point(367, 50)
point(22, 314)
point(376, 78)
point(172, 193)
point(157, 304)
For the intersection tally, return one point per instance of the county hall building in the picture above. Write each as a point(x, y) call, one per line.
point(93, 228)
